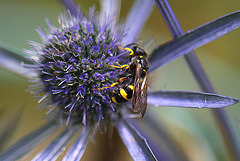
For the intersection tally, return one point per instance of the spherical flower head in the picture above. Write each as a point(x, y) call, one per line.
point(73, 63)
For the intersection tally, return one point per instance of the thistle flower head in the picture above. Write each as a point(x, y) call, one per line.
point(73, 62)
point(78, 64)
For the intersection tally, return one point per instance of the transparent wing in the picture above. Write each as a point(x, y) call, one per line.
point(139, 100)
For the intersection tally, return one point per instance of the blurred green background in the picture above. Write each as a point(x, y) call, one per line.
point(194, 130)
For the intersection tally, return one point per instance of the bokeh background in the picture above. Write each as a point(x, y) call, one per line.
point(194, 130)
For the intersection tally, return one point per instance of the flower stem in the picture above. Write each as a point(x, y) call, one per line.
point(222, 116)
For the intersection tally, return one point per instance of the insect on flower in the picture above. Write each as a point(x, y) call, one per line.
point(84, 68)
point(137, 71)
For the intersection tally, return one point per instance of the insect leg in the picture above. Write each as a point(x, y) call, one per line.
point(128, 49)
point(112, 85)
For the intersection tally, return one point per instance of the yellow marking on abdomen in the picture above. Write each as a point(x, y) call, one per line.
point(131, 87)
point(114, 100)
point(124, 94)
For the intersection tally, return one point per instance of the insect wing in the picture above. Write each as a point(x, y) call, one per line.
point(144, 95)
point(139, 100)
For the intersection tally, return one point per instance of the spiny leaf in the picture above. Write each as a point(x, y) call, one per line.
point(189, 99)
